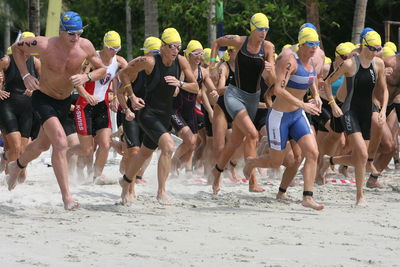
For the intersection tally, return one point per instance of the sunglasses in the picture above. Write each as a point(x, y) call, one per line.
point(172, 46)
point(197, 54)
point(74, 33)
point(115, 49)
point(372, 48)
point(312, 43)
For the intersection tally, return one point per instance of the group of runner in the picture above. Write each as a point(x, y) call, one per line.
point(253, 104)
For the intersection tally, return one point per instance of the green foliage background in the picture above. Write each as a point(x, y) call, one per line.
point(190, 18)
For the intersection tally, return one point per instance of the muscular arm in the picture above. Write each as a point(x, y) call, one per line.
point(191, 84)
point(129, 74)
point(227, 40)
point(344, 68)
point(222, 78)
point(99, 69)
point(27, 46)
point(38, 66)
point(269, 72)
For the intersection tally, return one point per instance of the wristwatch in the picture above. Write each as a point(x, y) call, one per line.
point(181, 83)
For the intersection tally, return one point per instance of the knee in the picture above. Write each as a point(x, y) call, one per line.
point(168, 149)
point(311, 154)
point(252, 136)
point(87, 151)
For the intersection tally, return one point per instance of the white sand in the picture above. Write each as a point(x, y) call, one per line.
point(236, 228)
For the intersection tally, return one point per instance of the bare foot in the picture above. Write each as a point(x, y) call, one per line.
point(22, 177)
point(344, 170)
point(70, 204)
point(13, 172)
point(235, 175)
point(125, 196)
point(320, 180)
point(374, 183)
point(216, 182)
point(163, 199)
point(255, 187)
point(282, 196)
point(248, 168)
point(309, 202)
point(361, 202)
point(325, 163)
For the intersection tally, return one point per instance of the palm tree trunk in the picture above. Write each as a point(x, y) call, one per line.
point(34, 16)
point(151, 18)
point(7, 25)
point(212, 29)
point(358, 20)
point(128, 19)
point(312, 10)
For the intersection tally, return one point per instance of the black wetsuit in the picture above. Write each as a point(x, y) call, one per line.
point(155, 117)
point(133, 134)
point(358, 107)
point(183, 106)
point(261, 115)
point(16, 111)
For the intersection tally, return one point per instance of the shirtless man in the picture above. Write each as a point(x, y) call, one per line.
point(61, 58)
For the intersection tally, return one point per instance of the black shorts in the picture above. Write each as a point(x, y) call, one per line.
point(221, 104)
point(89, 119)
point(187, 118)
point(16, 115)
point(69, 124)
point(261, 118)
point(324, 117)
point(200, 121)
point(336, 123)
point(120, 117)
point(207, 122)
point(133, 134)
point(395, 106)
point(46, 107)
point(154, 123)
point(355, 121)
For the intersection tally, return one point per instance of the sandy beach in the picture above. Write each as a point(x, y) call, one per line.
point(235, 228)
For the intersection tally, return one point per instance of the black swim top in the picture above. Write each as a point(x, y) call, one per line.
point(13, 82)
point(159, 95)
point(248, 68)
point(360, 88)
point(231, 75)
point(186, 100)
point(139, 85)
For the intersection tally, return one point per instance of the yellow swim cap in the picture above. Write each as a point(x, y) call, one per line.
point(392, 46)
point(27, 34)
point(351, 45)
point(328, 60)
point(372, 38)
point(296, 47)
point(9, 51)
point(192, 45)
point(150, 44)
point(112, 39)
point(388, 52)
point(275, 56)
point(207, 55)
point(170, 35)
point(231, 47)
point(343, 49)
point(308, 35)
point(226, 56)
point(258, 20)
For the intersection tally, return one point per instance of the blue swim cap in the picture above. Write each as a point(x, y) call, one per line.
point(308, 25)
point(364, 32)
point(71, 21)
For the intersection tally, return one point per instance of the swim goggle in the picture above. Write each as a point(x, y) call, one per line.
point(312, 43)
point(261, 29)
